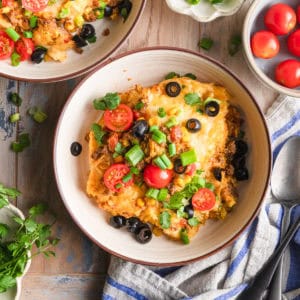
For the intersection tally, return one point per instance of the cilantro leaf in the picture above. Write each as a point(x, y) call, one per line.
point(165, 220)
point(3, 230)
point(193, 221)
point(99, 133)
point(109, 101)
point(38, 209)
point(10, 192)
point(192, 99)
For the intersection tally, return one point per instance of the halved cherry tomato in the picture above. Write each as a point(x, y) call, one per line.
point(112, 142)
point(7, 3)
point(119, 119)
point(190, 170)
point(113, 177)
point(287, 73)
point(175, 133)
point(6, 45)
point(204, 199)
point(24, 47)
point(34, 5)
point(264, 44)
point(280, 18)
point(294, 42)
point(156, 177)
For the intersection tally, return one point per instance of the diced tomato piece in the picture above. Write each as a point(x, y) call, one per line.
point(24, 47)
point(190, 170)
point(176, 133)
point(34, 5)
point(112, 142)
point(6, 45)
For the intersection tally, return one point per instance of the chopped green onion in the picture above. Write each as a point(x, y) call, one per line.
point(37, 114)
point(134, 155)
point(234, 45)
point(102, 4)
point(119, 148)
point(172, 149)
point(172, 122)
point(159, 162)
point(99, 133)
point(152, 193)
point(15, 99)
point(158, 136)
point(118, 185)
point(12, 34)
point(14, 118)
point(184, 237)
point(27, 34)
point(15, 59)
point(172, 75)
point(63, 13)
point(139, 106)
point(33, 21)
point(161, 112)
point(192, 99)
point(162, 195)
point(127, 177)
point(22, 143)
point(152, 128)
point(166, 161)
point(190, 75)
point(206, 43)
point(188, 157)
point(134, 170)
point(99, 13)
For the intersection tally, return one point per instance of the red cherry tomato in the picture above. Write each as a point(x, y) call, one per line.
point(294, 42)
point(175, 133)
point(156, 177)
point(112, 142)
point(34, 5)
point(6, 45)
point(287, 73)
point(264, 44)
point(298, 14)
point(119, 119)
point(7, 3)
point(204, 199)
point(280, 18)
point(24, 47)
point(113, 177)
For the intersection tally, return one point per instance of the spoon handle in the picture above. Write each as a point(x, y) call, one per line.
point(262, 280)
point(275, 289)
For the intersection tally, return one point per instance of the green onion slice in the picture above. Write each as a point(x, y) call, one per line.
point(12, 34)
point(134, 155)
point(172, 149)
point(188, 157)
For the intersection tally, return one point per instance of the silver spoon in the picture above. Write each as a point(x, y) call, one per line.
point(285, 184)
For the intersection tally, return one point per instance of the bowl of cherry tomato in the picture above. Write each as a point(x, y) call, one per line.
point(271, 39)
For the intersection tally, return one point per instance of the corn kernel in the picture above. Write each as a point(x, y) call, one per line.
point(179, 181)
point(175, 111)
point(157, 231)
point(152, 202)
point(69, 26)
point(152, 121)
point(79, 21)
point(140, 202)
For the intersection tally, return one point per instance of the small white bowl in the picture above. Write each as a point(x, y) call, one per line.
point(204, 11)
point(147, 67)
point(264, 69)
point(6, 215)
point(78, 64)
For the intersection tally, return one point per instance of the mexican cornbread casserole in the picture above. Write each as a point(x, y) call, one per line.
point(166, 158)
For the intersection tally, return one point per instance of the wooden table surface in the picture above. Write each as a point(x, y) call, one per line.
point(78, 271)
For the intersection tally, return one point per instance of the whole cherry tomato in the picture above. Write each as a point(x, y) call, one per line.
point(293, 42)
point(265, 44)
point(280, 18)
point(156, 177)
point(287, 73)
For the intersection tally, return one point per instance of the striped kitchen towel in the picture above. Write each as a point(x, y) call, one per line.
point(225, 274)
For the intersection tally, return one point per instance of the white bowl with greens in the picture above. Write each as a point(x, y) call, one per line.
point(205, 10)
point(7, 215)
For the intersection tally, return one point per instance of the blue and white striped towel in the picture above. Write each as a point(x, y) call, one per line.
point(223, 275)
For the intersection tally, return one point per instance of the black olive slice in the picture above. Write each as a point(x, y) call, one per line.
point(173, 89)
point(76, 148)
point(189, 210)
point(140, 128)
point(178, 167)
point(217, 173)
point(193, 125)
point(241, 147)
point(38, 55)
point(238, 161)
point(133, 224)
point(79, 41)
point(124, 8)
point(241, 174)
point(143, 234)
point(87, 31)
point(212, 108)
point(108, 10)
point(117, 221)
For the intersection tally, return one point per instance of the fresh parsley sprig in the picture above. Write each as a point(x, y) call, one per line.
point(6, 193)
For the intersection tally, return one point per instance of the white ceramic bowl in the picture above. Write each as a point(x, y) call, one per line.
point(204, 11)
point(146, 67)
point(78, 64)
point(264, 69)
point(6, 215)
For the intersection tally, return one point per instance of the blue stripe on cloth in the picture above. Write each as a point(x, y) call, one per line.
point(107, 297)
point(279, 223)
point(294, 119)
point(237, 260)
point(279, 146)
point(127, 290)
point(293, 281)
point(297, 298)
point(166, 271)
point(232, 292)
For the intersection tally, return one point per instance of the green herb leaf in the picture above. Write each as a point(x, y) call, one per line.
point(161, 112)
point(184, 237)
point(37, 114)
point(181, 213)
point(190, 75)
point(206, 43)
point(99, 133)
point(165, 220)
point(193, 221)
point(24, 141)
point(92, 39)
point(10, 192)
point(192, 99)
point(109, 101)
point(172, 75)
point(37, 210)
point(234, 44)
point(15, 99)
point(3, 201)
point(4, 229)
point(139, 106)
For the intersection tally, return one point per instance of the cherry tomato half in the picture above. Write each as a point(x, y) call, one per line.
point(112, 142)
point(175, 134)
point(293, 42)
point(6, 45)
point(264, 44)
point(113, 177)
point(156, 177)
point(34, 5)
point(7, 3)
point(119, 119)
point(204, 199)
point(24, 47)
point(280, 18)
point(287, 73)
